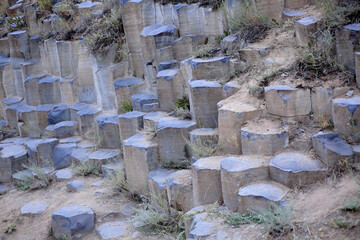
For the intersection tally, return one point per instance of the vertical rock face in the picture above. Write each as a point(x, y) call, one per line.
point(304, 29)
point(347, 42)
point(169, 88)
point(270, 8)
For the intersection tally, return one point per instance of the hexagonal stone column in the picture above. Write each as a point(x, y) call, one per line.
point(62, 129)
point(88, 123)
point(294, 169)
point(130, 123)
point(210, 69)
point(126, 87)
point(346, 117)
point(12, 158)
point(263, 137)
point(232, 116)
point(304, 30)
point(259, 196)
point(183, 47)
point(179, 190)
point(151, 120)
point(140, 157)
point(72, 222)
point(29, 126)
point(42, 113)
point(145, 102)
point(157, 184)
point(58, 114)
point(49, 90)
point(104, 156)
point(332, 149)
point(207, 180)
point(285, 101)
point(40, 151)
point(109, 133)
point(169, 88)
point(171, 135)
point(204, 96)
point(203, 136)
point(62, 155)
point(239, 171)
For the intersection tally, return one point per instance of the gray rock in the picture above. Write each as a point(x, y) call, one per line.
point(109, 169)
point(98, 183)
point(63, 174)
point(142, 100)
point(202, 229)
point(167, 65)
point(33, 208)
point(58, 114)
point(104, 156)
point(62, 154)
point(72, 222)
point(4, 188)
point(75, 185)
point(112, 230)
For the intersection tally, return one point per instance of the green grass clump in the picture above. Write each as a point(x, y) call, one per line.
point(182, 109)
point(25, 182)
point(117, 180)
point(352, 205)
point(46, 4)
point(87, 168)
point(125, 106)
point(203, 148)
point(237, 219)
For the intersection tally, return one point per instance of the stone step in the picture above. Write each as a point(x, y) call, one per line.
point(171, 64)
point(230, 88)
point(12, 158)
point(305, 29)
point(185, 46)
point(263, 137)
point(238, 171)
point(88, 124)
point(346, 117)
point(332, 149)
point(62, 155)
point(152, 119)
point(126, 87)
point(292, 14)
point(204, 96)
point(58, 114)
point(81, 154)
point(253, 54)
point(200, 137)
point(140, 157)
point(105, 156)
point(180, 190)
point(130, 123)
point(62, 129)
point(169, 88)
point(295, 169)
point(108, 170)
point(171, 134)
point(42, 113)
point(259, 196)
point(206, 180)
point(40, 151)
point(157, 184)
point(233, 115)
point(24, 118)
point(286, 101)
point(49, 90)
point(209, 69)
point(145, 102)
point(109, 133)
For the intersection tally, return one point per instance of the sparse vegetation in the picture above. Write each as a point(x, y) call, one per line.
point(324, 122)
point(185, 164)
point(46, 4)
point(125, 106)
point(204, 148)
point(38, 179)
point(10, 229)
point(25, 182)
point(117, 180)
point(83, 168)
point(40, 175)
point(182, 109)
point(237, 219)
point(277, 220)
point(206, 50)
point(352, 205)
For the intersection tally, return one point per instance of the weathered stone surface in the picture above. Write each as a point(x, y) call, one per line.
point(263, 137)
point(63, 174)
point(144, 102)
point(113, 168)
point(4, 188)
point(32, 90)
point(112, 230)
point(169, 88)
point(171, 135)
point(258, 196)
point(19, 46)
point(252, 55)
point(58, 114)
point(295, 4)
point(232, 44)
point(75, 139)
point(75, 185)
point(331, 148)
point(203, 136)
point(293, 169)
point(62, 154)
point(104, 156)
point(304, 30)
point(346, 117)
point(81, 154)
point(232, 116)
point(239, 171)
point(210, 69)
point(130, 123)
point(72, 222)
point(357, 68)
point(88, 128)
point(207, 180)
point(12, 158)
point(12, 100)
point(69, 89)
point(109, 131)
point(34, 208)
point(65, 129)
point(4, 47)
point(270, 8)
point(40, 151)
point(287, 102)
point(204, 96)
point(168, 65)
point(202, 229)
point(190, 21)
point(151, 120)
point(347, 43)
point(42, 113)
point(184, 47)
point(126, 87)
point(157, 184)
point(289, 14)
point(49, 90)
point(180, 190)
point(140, 156)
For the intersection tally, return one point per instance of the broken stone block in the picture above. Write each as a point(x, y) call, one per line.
point(42, 113)
point(151, 120)
point(112, 230)
point(19, 45)
point(64, 129)
point(252, 55)
point(239, 171)
point(34, 208)
point(81, 154)
point(202, 229)
point(63, 174)
point(130, 123)
point(289, 14)
point(126, 87)
point(287, 102)
point(145, 102)
point(294, 169)
point(230, 89)
point(113, 168)
point(140, 157)
point(172, 134)
point(104, 156)
point(169, 88)
point(161, 55)
point(40, 151)
point(346, 117)
point(72, 222)
point(75, 185)
point(233, 115)
point(204, 96)
point(62, 154)
point(33, 67)
point(210, 69)
point(207, 180)
point(232, 44)
point(185, 46)
point(157, 185)
point(58, 114)
point(304, 30)
point(49, 90)
point(4, 188)
point(259, 196)
point(12, 158)
point(88, 125)
point(263, 137)
point(332, 149)
point(109, 131)
point(347, 43)
point(168, 65)
point(27, 116)
point(179, 190)
point(203, 137)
